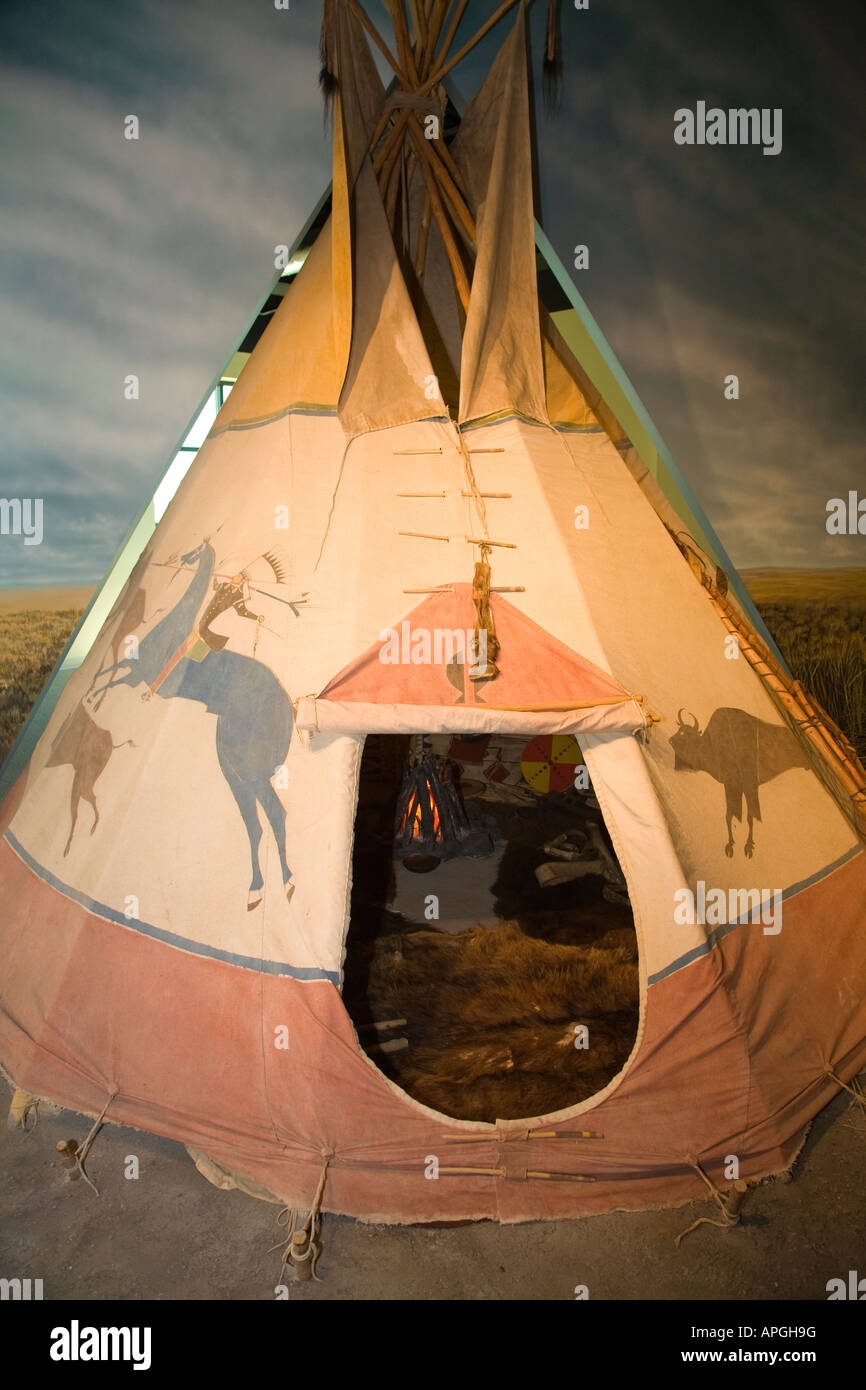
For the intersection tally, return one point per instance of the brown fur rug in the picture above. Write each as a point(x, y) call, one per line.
point(491, 1015)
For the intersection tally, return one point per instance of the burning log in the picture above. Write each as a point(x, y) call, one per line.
point(431, 823)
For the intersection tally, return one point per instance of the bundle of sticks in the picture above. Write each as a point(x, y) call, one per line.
point(401, 148)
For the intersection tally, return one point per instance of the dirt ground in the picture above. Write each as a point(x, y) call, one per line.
point(169, 1235)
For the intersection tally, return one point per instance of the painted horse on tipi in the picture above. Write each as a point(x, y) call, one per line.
point(254, 714)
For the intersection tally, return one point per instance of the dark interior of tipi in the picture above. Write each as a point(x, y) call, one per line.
point(477, 974)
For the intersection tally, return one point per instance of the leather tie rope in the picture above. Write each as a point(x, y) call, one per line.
point(301, 1243)
point(856, 1090)
point(429, 105)
point(84, 1150)
point(484, 619)
point(729, 1205)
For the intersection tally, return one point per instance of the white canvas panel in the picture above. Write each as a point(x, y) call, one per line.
point(358, 716)
point(172, 774)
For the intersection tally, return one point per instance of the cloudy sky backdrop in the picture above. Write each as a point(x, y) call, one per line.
point(152, 256)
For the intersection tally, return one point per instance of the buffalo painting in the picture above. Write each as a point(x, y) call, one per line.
point(86, 748)
point(742, 753)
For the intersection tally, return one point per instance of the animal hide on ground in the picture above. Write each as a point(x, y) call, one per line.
point(491, 1016)
point(491, 1012)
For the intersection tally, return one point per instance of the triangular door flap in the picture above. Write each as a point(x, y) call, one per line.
point(418, 662)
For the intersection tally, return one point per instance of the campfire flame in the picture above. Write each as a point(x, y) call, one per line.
point(416, 817)
point(431, 821)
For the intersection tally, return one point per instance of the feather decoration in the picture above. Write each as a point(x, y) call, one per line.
point(327, 74)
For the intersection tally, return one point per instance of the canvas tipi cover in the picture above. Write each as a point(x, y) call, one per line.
point(176, 858)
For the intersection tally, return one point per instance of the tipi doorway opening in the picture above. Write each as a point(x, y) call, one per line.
point(491, 965)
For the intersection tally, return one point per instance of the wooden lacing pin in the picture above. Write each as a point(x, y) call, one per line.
point(560, 1177)
point(436, 589)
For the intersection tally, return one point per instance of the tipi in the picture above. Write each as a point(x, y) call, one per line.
point(414, 451)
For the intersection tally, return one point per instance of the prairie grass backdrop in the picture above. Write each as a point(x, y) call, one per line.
point(818, 620)
point(31, 641)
